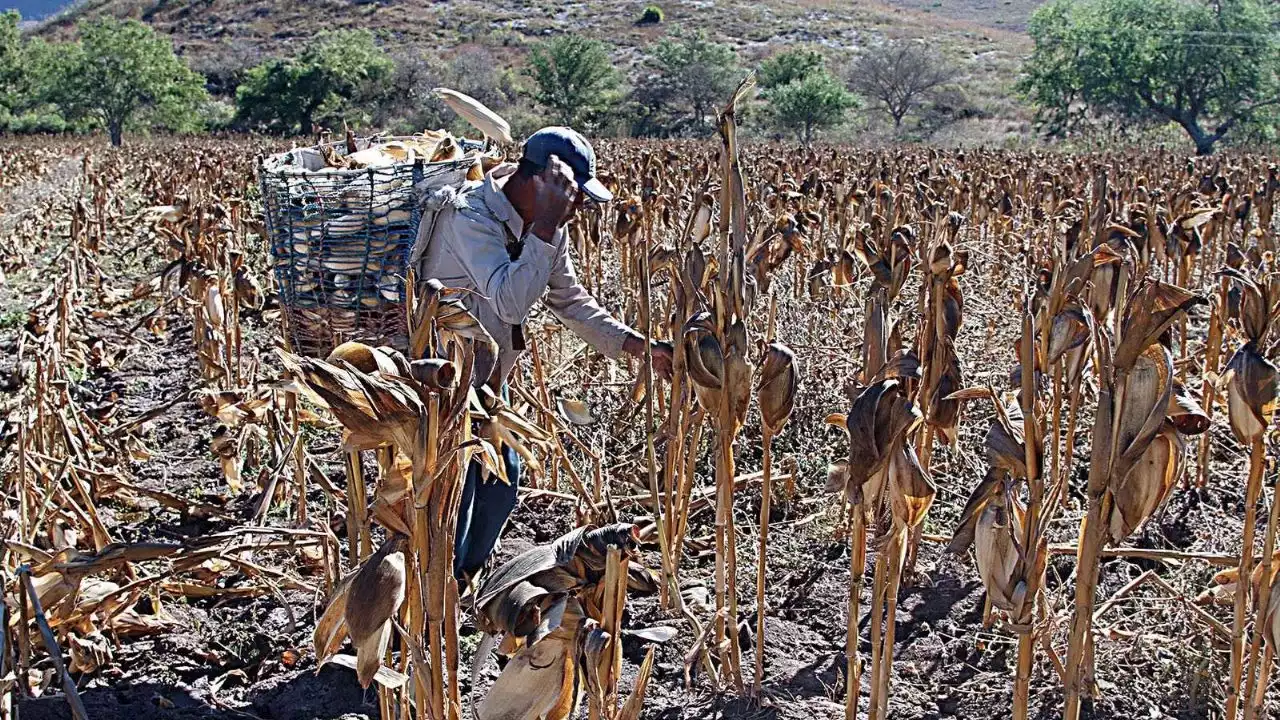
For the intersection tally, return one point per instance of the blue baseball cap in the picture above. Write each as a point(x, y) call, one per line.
point(568, 145)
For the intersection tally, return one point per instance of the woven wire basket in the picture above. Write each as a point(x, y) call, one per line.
point(340, 244)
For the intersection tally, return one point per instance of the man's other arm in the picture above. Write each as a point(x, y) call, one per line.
point(570, 301)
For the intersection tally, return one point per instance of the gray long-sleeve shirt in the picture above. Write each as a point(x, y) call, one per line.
point(468, 249)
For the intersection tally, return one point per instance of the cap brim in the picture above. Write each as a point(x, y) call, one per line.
point(596, 190)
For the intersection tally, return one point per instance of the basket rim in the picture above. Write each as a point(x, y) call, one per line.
point(472, 148)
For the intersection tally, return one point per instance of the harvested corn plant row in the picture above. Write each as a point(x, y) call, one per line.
point(1251, 386)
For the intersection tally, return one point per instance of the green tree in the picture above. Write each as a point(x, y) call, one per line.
point(1210, 67)
point(334, 78)
point(12, 65)
point(817, 101)
point(687, 76)
point(575, 79)
point(120, 73)
point(33, 108)
point(787, 66)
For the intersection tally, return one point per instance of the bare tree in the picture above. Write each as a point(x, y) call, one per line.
point(898, 77)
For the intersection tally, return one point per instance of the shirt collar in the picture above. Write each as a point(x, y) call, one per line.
point(496, 200)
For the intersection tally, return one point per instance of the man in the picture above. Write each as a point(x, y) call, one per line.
point(504, 237)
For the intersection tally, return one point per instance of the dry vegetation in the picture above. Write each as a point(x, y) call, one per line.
point(1007, 342)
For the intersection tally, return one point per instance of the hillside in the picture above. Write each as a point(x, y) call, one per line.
point(983, 38)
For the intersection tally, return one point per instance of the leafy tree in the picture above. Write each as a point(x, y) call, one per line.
point(575, 78)
point(787, 66)
point(1210, 67)
point(687, 75)
point(815, 102)
point(334, 77)
point(33, 109)
point(119, 73)
point(12, 66)
point(899, 78)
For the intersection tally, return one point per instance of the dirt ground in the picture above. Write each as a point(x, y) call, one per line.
point(252, 658)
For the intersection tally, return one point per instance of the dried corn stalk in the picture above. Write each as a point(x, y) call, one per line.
point(776, 394)
point(1136, 385)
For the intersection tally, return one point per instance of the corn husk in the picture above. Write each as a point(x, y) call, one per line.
point(889, 265)
point(391, 506)
point(575, 411)
point(1144, 392)
point(997, 555)
point(701, 228)
point(476, 113)
point(1272, 617)
point(382, 155)
point(705, 359)
point(1071, 329)
point(952, 303)
point(538, 683)
point(1006, 459)
point(331, 626)
point(547, 601)
point(776, 389)
point(362, 357)
point(1144, 488)
point(1251, 393)
point(901, 365)
point(1154, 307)
point(214, 309)
point(434, 373)
point(521, 597)
point(877, 424)
point(1185, 413)
point(944, 414)
point(693, 275)
point(912, 491)
point(372, 600)
point(375, 409)
point(737, 374)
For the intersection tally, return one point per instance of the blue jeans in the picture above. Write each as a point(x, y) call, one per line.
point(482, 513)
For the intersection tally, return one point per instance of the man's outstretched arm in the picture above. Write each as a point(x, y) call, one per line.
point(576, 308)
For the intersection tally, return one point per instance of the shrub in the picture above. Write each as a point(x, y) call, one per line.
point(43, 120)
point(652, 15)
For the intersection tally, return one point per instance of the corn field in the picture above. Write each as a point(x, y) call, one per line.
point(963, 434)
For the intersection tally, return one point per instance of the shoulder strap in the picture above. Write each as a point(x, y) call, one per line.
point(431, 207)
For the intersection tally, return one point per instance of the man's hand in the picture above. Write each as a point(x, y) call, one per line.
point(554, 194)
point(663, 354)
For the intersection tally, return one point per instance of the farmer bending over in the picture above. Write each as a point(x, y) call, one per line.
point(504, 237)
